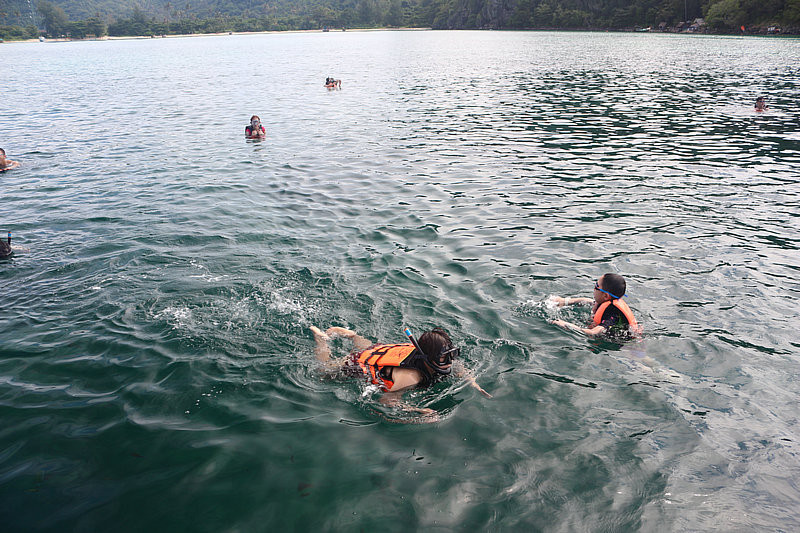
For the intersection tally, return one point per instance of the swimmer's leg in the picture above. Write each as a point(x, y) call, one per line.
point(340, 332)
point(359, 342)
point(322, 351)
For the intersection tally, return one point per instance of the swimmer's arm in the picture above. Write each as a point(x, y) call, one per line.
point(593, 332)
point(465, 373)
point(561, 302)
point(394, 400)
point(11, 164)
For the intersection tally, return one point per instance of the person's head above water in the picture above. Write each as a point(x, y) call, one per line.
point(438, 350)
point(761, 103)
point(6, 164)
point(609, 287)
point(5, 248)
point(254, 130)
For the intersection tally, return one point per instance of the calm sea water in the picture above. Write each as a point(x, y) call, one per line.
point(156, 366)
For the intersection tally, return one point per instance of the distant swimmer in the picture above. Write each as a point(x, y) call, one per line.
point(331, 83)
point(5, 248)
point(6, 164)
point(255, 130)
point(395, 367)
point(610, 314)
point(761, 104)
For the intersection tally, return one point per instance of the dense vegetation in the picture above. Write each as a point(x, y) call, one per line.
point(78, 18)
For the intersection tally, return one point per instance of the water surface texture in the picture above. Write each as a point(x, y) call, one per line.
point(156, 365)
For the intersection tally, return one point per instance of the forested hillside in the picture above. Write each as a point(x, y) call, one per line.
point(142, 17)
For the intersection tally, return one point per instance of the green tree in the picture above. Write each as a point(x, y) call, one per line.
point(395, 15)
point(76, 29)
point(54, 18)
point(791, 13)
point(725, 14)
point(96, 27)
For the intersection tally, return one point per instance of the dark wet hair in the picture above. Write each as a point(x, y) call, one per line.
point(760, 98)
point(615, 284)
point(2, 152)
point(434, 342)
point(5, 250)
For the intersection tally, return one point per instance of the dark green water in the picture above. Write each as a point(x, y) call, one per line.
point(156, 366)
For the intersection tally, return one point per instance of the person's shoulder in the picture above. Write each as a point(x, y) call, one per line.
point(405, 378)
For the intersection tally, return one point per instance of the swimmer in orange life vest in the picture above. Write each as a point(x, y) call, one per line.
point(609, 310)
point(6, 164)
point(395, 367)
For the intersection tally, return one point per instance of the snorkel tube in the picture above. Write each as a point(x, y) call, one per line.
point(433, 364)
point(413, 341)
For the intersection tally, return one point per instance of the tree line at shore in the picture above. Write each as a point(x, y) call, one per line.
point(82, 18)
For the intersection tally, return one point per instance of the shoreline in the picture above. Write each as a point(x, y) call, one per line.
point(269, 32)
point(213, 34)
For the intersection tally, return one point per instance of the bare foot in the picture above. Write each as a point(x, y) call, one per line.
point(318, 333)
point(341, 332)
point(321, 349)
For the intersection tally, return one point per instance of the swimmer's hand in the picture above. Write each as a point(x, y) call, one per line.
point(426, 411)
point(428, 415)
point(393, 400)
point(462, 372)
point(474, 384)
point(567, 325)
point(558, 300)
point(479, 388)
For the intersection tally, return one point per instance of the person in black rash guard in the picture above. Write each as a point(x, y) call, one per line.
point(610, 314)
point(255, 130)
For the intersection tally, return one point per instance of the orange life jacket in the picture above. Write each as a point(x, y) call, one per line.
point(375, 358)
point(633, 326)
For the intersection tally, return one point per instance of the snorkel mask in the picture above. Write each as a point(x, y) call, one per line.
point(443, 364)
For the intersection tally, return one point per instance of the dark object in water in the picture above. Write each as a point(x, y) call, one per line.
point(5, 248)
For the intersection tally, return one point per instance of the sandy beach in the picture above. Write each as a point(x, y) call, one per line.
point(219, 34)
